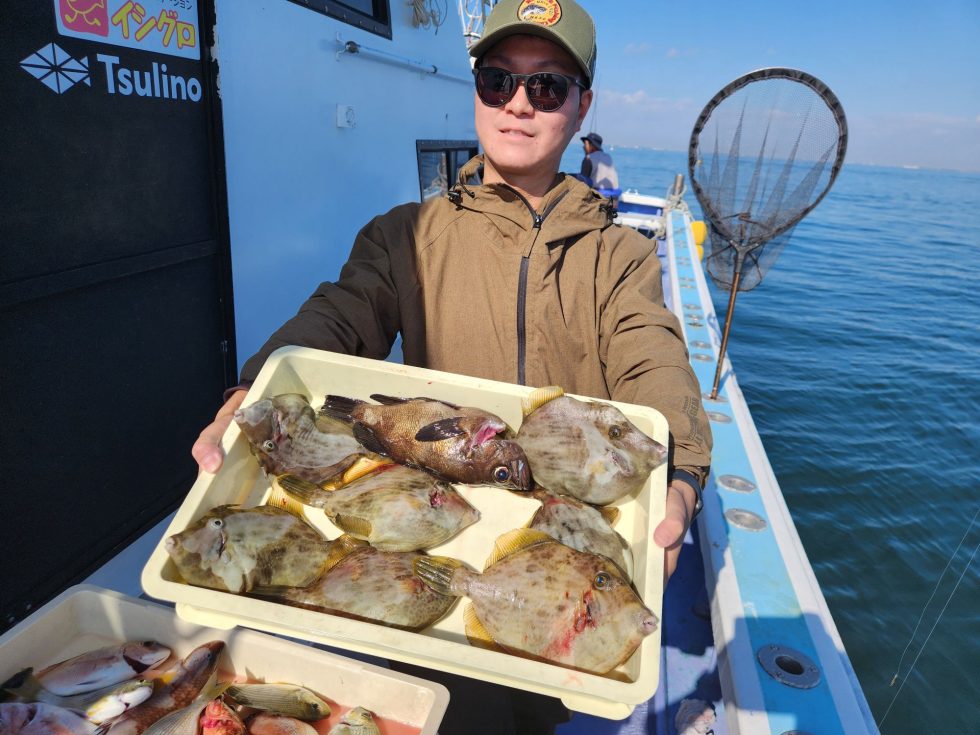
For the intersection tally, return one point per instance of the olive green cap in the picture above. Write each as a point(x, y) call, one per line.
point(562, 21)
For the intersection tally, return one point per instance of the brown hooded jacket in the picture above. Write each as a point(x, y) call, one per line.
point(480, 284)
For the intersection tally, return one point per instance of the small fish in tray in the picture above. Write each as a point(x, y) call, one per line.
point(37, 718)
point(358, 721)
point(238, 549)
point(288, 700)
point(266, 723)
point(286, 436)
point(102, 667)
point(395, 508)
point(190, 681)
point(95, 706)
point(547, 601)
point(459, 444)
point(586, 449)
point(186, 720)
point(368, 584)
point(220, 719)
point(582, 527)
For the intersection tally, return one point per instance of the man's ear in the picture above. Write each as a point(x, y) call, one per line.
point(584, 103)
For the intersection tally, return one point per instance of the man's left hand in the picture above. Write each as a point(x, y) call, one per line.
point(669, 535)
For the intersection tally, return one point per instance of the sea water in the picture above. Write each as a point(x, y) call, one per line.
point(859, 356)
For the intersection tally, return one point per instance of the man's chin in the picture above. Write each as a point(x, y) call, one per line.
point(516, 163)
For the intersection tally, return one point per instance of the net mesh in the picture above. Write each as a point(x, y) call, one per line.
point(763, 153)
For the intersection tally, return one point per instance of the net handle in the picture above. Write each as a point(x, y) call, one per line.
point(773, 72)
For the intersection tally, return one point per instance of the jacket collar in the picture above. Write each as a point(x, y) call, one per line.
point(570, 207)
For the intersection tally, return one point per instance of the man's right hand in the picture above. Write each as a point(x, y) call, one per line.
point(207, 449)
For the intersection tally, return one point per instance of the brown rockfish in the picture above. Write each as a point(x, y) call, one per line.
point(582, 527)
point(457, 443)
point(180, 686)
point(373, 585)
point(586, 449)
point(545, 600)
point(285, 435)
point(395, 508)
point(238, 549)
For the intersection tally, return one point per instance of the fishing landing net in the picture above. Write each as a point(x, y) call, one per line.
point(763, 153)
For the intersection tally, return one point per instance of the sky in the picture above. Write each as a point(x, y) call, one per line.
point(906, 73)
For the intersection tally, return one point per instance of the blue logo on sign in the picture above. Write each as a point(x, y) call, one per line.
point(57, 69)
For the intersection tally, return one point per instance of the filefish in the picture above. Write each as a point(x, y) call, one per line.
point(290, 700)
point(286, 436)
point(459, 444)
point(102, 667)
point(586, 449)
point(378, 586)
point(582, 527)
point(358, 721)
point(220, 719)
point(542, 599)
point(265, 723)
point(395, 508)
point(181, 686)
point(38, 718)
point(96, 706)
point(238, 549)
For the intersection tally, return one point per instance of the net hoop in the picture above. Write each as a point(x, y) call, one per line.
point(775, 72)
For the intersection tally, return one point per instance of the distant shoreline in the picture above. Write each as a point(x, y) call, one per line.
point(901, 167)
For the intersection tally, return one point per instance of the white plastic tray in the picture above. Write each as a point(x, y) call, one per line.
point(315, 373)
point(87, 617)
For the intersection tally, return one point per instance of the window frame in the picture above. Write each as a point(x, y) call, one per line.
point(445, 147)
point(378, 23)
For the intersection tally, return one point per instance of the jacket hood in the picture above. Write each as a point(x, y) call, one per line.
point(570, 208)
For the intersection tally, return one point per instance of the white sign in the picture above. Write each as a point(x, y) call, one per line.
point(161, 26)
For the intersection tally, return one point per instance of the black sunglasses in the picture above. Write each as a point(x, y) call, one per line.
point(546, 90)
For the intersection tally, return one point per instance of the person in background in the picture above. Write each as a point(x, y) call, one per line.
point(598, 169)
point(521, 277)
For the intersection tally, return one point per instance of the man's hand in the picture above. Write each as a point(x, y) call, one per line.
point(207, 448)
point(669, 535)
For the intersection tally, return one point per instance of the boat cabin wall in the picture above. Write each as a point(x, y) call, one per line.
point(300, 186)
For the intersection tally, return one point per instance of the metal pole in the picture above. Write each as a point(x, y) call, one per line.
point(728, 325)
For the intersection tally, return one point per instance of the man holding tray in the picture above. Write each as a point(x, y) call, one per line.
point(517, 275)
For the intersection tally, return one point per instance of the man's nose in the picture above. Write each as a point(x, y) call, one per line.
point(519, 104)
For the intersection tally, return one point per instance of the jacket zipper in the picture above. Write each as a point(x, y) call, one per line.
point(522, 288)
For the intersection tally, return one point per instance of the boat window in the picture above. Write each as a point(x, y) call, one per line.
point(370, 15)
point(440, 162)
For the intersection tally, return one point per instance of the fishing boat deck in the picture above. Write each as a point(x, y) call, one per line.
point(743, 585)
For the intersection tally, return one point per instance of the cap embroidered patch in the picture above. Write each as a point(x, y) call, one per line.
point(542, 12)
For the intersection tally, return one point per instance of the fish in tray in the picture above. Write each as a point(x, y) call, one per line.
point(544, 600)
point(586, 449)
point(285, 435)
point(459, 444)
point(289, 700)
point(582, 527)
point(188, 682)
point(95, 706)
point(102, 667)
point(395, 508)
point(265, 723)
point(19, 718)
point(358, 721)
point(368, 584)
point(238, 549)
point(220, 719)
